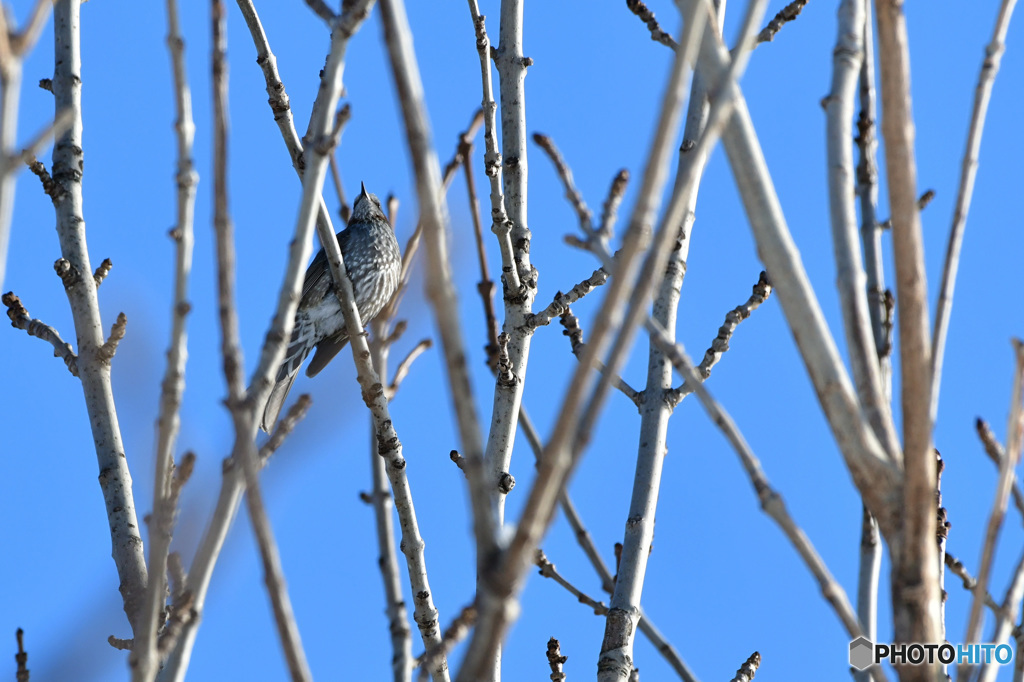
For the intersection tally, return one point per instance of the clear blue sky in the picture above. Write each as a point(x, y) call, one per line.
point(722, 580)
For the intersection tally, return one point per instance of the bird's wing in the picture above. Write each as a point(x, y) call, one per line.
point(325, 352)
point(318, 281)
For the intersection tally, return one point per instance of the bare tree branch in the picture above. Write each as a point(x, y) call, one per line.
point(720, 344)
point(870, 554)
point(556, 660)
point(968, 172)
point(1014, 434)
point(383, 513)
point(771, 502)
point(440, 289)
point(847, 58)
point(616, 658)
point(94, 372)
point(876, 477)
point(787, 14)
point(403, 367)
point(495, 595)
point(749, 667)
point(995, 452)
point(20, 319)
point(548, 570)
point(296, 413)
point(573, 330)
point(14, 47)
point(243, 413)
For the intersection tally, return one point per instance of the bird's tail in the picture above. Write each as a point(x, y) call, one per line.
point(298, 348)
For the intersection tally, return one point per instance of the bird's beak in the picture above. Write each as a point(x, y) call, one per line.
point(362, 187)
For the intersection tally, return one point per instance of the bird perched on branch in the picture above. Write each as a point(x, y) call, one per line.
point(374, 265)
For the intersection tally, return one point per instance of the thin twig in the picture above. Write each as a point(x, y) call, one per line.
point(453, 634)
point(561, 302)
point(787, 14)
point(583, 212)
point(403, 367)
point(321, 9)
point(109, 347)
point(556, 660)
point(278, 100)
point(344, 210)
point(610, 208)
point(20, 319)
point(485, 287)
point(995, 452)
point(384, 523)
point(771, 502)
point(574, 332)
point(748, 669)
point(55, 128)
point(244, 414)
point(1006, 616)
point(296, 413)
point(720, 344)
point(1014, 434)
point(638, 8)
point(968, 173)
point(957, 568)
point(21, 658)
point(548, 570)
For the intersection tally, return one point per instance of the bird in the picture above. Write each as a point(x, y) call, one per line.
point(374, 264)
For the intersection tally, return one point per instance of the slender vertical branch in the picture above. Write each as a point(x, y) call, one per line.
point(496, 591)
point(278, 98)
point(771, 502)
point(870, 555)
point(501, 226)
point(310, 212)
point(1007, 466)
point(968, 173)
point(10, 92)
point(14, 47)
point(485, 287)
point(847, 58)
point(873, 473)
point(243, 414)
point(867, 191)
point(916, 568)
point(115, 479)
point(173, 385)
point(440, 289)
point(383, 507)
point(616, 658)
point(1006, 616)
point(509, 223)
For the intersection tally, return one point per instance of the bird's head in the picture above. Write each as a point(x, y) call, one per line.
point(367, 207)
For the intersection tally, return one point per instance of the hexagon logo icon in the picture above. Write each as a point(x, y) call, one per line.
point(861, 653)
